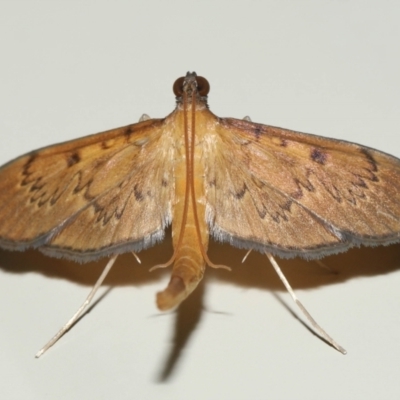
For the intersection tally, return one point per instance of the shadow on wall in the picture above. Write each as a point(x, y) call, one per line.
point(255, 272)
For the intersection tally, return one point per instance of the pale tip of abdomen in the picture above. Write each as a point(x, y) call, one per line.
point(173, 295)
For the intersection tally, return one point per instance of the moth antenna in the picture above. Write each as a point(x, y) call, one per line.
point(325, 266)
point(136, 256)
point(247, 254)
point(302, 308)
point(247, 118)
point(144, 117)
point(212, 265)
point(79, 312)
point(165, 265)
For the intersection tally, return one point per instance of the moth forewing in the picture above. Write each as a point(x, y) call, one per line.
point(255, 186)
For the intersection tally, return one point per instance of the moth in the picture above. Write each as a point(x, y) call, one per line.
point(255, 186)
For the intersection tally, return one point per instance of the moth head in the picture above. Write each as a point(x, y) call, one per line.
point(191, 85)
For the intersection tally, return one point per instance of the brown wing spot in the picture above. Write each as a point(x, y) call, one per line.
point(284, 143)
point(306, 184)
point(138, 194)
point(213, 182)
point(128, 132)
point(318, 156)
point(25, 170)
point(286, 205)
point(239, 195)
point(261, 213)
point(351, 198)
point(298, 194)
point(164, 183)
point(279, 216)
point(370, 159)
point(257, 132)
point(333, 191)
point(73, 159)
point(359, 182)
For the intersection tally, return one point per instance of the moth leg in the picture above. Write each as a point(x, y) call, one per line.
point(144, 117)
point(247, 254)
point(80, 310)
point(247, 118)
point(136, 257)
point(302, 308)
point(325, 266)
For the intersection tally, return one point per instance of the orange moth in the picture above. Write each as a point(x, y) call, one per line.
point(254, 186)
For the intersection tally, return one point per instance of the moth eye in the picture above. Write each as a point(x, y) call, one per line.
point(203, 87)
point(178, 87)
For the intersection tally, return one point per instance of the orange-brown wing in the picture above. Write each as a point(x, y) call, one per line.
point(99, 195)
point(295, 194)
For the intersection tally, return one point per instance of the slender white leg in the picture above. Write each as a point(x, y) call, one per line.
point(247, 254)
point(137, 257)
point(302, 308)
point(75, 317)
point(324, 266)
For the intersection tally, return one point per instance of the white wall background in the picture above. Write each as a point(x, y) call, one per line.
point(327, 67)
